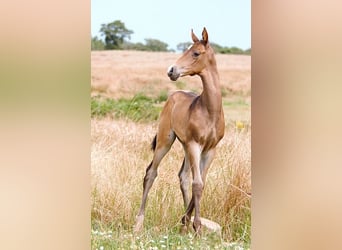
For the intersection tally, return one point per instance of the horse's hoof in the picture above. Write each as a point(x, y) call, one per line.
point(183, 230)
point(198, 232)
point(138, 224)
point(197, 227)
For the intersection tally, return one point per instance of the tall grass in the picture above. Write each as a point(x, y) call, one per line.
point(119, 156)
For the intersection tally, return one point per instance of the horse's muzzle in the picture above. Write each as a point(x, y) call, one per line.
point(173, 73)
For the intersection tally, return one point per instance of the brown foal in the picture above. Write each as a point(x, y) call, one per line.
point(198, 123)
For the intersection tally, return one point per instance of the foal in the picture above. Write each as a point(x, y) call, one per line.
point(198, 123)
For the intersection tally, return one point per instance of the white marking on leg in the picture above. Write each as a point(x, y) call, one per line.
point(195, 154)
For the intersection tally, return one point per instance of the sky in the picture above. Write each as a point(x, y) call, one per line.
point(228, 22)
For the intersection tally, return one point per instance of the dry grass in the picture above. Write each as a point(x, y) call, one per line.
point(121, 151)
point(118, 74)
point(120, 155)
point(123, 73)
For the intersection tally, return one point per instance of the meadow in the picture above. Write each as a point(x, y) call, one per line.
point(128, 90)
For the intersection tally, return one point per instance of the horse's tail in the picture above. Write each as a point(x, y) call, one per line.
point(154, 143)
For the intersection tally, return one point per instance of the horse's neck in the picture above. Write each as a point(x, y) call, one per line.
point(211, 95)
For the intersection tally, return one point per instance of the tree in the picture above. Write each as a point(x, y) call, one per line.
point(183, 46)
point(115, 34)
point(97, 44)
point(133, 46)
point(236, 50)
point(155, 45)
point(216, 47)
point(248, 51)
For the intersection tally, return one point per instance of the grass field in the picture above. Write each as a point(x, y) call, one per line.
point(121, 136)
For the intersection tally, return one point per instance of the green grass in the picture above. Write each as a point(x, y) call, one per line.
point(180, 84)
point(162, 97)
point(139, 108)
point(236, 103)
point(112, 238)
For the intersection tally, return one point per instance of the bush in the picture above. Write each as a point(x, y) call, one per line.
point(100, 107)
point(97, 44)
point(150, 45)
point(139, 108)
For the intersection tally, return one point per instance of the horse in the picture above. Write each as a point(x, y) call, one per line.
point(197, 121)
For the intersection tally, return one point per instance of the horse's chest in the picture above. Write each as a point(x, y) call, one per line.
point(208, 135)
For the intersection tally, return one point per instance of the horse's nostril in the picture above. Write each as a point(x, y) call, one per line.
point(170, 71)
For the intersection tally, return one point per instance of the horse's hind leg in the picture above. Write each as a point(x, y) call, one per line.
point(164, 142)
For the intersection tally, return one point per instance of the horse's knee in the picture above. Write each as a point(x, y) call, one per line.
point(197, 188)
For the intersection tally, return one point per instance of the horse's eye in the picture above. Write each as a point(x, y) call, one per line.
point(196, 54)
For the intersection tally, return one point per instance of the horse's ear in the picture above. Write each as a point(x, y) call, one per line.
point(194, 37)
point(205, 35)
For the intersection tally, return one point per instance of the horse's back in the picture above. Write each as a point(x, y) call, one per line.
point(182, 97)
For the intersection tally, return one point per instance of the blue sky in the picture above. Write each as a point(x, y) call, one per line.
point(228, 21)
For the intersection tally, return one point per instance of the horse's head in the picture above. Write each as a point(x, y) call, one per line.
point(193, 60)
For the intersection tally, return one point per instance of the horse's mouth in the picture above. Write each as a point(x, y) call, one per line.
point(173, 73)
point(173, 77)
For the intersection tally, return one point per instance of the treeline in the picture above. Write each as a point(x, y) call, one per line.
point(116, 37)
point(217, 48)
point(149, 45)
